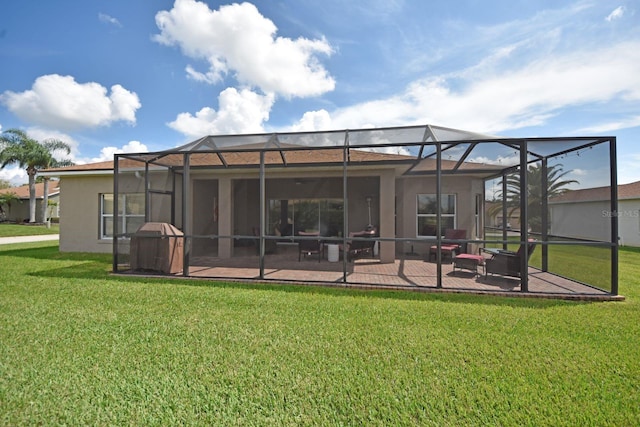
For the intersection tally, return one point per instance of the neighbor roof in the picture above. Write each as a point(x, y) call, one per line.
point(625, 192)
point(23, 191)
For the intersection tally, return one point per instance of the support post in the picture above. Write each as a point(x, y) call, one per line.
point(438, 214)
point(505, 212)
point(614, 218)
point(262, 213)
point(345, 207)
point(545, 215)
point(524, 218)
point(186, 224)
point(115, 214)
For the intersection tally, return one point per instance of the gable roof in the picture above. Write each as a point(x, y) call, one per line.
point(625, 192)
point(23, 191)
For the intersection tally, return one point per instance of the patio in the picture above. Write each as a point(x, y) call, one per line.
point(407, 274)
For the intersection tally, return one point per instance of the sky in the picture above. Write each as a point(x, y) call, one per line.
point(113, 76)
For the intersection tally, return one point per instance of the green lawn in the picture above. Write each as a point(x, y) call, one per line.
point(80, 347)
point(11, 230)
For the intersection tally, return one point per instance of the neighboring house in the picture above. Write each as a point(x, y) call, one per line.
point(494, 219)
point(585, 214)
point(19, 210)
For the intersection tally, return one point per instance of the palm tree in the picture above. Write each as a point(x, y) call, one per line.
point(16, 147)
point(556, 185)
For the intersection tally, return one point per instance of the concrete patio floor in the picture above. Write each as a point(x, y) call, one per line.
point(409, 274)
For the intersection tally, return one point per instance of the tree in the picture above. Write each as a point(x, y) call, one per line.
point(16, 147)
point(556, 185)
point(5, 200)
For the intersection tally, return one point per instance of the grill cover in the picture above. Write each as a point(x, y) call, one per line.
point(157, 246)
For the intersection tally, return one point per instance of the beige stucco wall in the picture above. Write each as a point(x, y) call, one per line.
point(80, 213)
point(393, 205)
point(80, 208)
point(465, 188)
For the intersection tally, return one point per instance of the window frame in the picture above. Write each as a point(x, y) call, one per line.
point(419, 215)
point(124, 216)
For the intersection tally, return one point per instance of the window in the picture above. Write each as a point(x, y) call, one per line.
point(131, 215)
point(287, 217)
point(427, 210)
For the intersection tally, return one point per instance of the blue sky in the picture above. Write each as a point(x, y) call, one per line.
point(116, 75)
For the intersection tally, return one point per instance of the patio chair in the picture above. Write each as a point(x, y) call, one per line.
point(359, 248)
point(270, 246)
point(507, 263)
point(310, 247)
point(449, 249)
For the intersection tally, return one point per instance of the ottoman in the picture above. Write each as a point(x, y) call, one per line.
point(468, 262)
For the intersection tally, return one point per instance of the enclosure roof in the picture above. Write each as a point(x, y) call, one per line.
point(392, 136)
point(417, 147)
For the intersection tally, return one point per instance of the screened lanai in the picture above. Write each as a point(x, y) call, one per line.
point(417, 207)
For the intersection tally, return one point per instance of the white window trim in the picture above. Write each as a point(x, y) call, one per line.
point(123, 216)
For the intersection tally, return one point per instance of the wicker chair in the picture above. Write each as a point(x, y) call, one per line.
point(308, 247)
point(508, 263)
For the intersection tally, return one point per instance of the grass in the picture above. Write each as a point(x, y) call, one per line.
point(81, 347)
point(12, 230)
point(584, 263)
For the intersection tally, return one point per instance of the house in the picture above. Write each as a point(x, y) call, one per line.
point(247, 198)
point(19, 211)
point(592, 206)
point(493, 216)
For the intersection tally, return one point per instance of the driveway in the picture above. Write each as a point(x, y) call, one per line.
point(24, 239)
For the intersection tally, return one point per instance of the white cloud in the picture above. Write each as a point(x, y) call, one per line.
point(237, 39)
point(612, 125)
point(15, 175)
point(59, 102)
point(239, 112)
point(580, 172)
point(528, 95)
point(103, 17)
point(107, 153)
point(617, 13)
point(42, 135)
point(628, 170)
point(313, 120)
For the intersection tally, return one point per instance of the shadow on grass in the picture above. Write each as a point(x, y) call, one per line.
point(99, 271)
point(50, 251)
point(98, 267)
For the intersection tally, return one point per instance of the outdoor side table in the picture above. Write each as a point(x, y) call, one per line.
point(468, 262)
